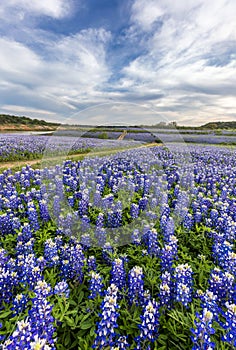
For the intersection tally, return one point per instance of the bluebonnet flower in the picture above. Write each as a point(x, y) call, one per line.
point(19, 304)
point(16, 224)
point(105, 332)
point(163, 222)
point(173, 242)
point(149, 326)
point(166, 290)
point(33, 216)
point(97, 199)
point(6, 224)
point(56, 206)
point(37, 329)
point(183, 283)
point(91, 262)
point(121, 343)
point(40, 314)
point(95, 285)
point(167, 257)
point(83, 205)
point(118, 274)
point(134, 210)
point(209, 301)
point(230, 324)
point(85, 240)
point(216, 283)
point(58, 239)
point(9, 278)
point(152, 243)
point(169, 228)
point(20, 338)
point(202, 333)
point(165, 209)
point(85, 223)
point(41, 263)
point(51, 252)
point(107, 252)
point(153, 203)
point(136, 237)
point(71, 262)
point(62, 289)
point(71, 201)
point(223, 253)
point(146, 297)
point(107, 201)
point(143, 203)
point(231, 262)
point(214, 215)
point(26, 234)
point(188, 221)
point(198, 216)
point(100, 220)
point(114, 219)
point(44, 213)
point(136, 285)
point(25, 247)
point(28, 270)
point(101, 236)
point(40, 344)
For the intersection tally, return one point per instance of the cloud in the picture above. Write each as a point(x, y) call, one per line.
point(71, 69)
point(145, 13)
point(190, 55)
point(20, 109)
point(52, 8)
point(177, 58)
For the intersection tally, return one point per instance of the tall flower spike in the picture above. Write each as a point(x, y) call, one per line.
point(95, 285)
point(230, 325)
point(202, 333)
point(149, 325)
point(136, 285)
point(118, 274)
point(105, 333)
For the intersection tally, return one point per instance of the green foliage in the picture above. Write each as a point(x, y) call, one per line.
point(76, 317)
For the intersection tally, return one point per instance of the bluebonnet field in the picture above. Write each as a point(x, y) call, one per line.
point(130, 251)
point(26, 147)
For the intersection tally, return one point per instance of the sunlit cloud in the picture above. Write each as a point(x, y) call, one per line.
point(61, 57)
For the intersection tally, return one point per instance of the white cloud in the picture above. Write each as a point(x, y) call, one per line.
point(52, 8)
point(71, 71)
point(183, 65)
point(190, 57)
point(21, 109)
point(145, 13)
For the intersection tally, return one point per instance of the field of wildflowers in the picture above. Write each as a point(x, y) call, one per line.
point(130, 251)
point(25, 147)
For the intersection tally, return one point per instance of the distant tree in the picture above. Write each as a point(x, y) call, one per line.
point(172, 124)
point(103, 135)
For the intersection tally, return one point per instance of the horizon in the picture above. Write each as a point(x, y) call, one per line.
point(170, 125)
point(65, 60)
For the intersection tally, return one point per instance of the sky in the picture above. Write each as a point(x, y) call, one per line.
point(119, 61)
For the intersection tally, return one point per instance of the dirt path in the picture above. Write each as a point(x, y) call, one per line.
point(47, 161)
point(121, 137)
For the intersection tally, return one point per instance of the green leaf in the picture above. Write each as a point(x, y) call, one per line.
point(5, 314)
point(86, 325)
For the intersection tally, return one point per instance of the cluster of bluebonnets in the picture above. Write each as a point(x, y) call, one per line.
point(130, 251)
point(200, 138)
point(21, 147)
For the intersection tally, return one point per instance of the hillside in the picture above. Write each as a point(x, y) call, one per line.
point(219, 125)
point(15, 123)
point(22, 123)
